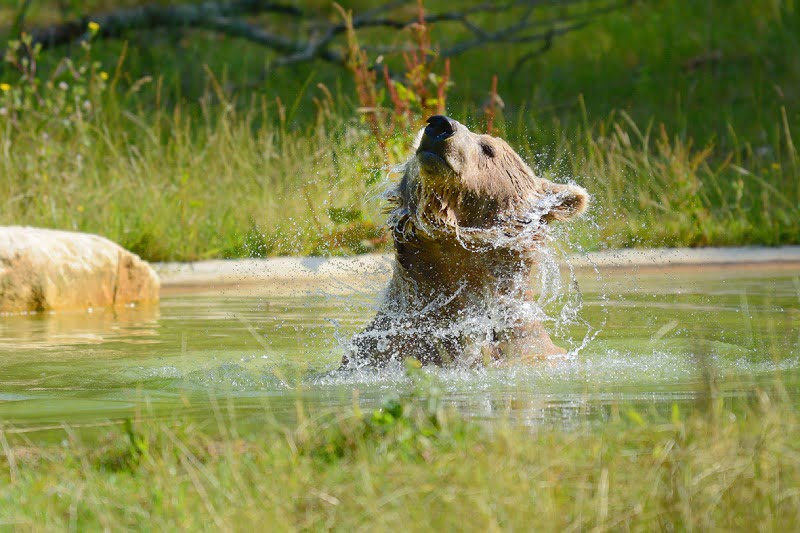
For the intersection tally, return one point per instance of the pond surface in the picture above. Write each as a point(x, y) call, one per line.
point(642, 340)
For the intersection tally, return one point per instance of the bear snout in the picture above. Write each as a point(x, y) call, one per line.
point(440, 127)
point(433, 145)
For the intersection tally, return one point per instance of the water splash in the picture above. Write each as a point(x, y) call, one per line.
point(468, 332)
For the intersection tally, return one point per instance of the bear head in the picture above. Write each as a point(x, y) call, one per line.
point(469, 176)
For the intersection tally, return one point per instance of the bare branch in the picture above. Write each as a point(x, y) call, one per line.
point(209, 15)
point(318, 38)
point(511, 34)
point(502, 37)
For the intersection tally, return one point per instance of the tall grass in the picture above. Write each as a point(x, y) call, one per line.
point(652, 188)
point(404, 466)
point(177, 166)
point(171, 186)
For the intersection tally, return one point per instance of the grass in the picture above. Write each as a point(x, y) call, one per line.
point(717, 465)
point(655, 189)
point(227, 185)
point(176, 167)
point(177, 188)
point(173, 165)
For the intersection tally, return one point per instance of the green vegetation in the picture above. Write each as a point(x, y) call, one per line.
point(718, 464)
point(678, 116)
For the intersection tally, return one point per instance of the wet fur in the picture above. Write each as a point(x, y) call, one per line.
point(467, 219)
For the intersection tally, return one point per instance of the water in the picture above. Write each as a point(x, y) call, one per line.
point(642, 340)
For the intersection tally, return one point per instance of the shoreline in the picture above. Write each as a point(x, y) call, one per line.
point(346, 274)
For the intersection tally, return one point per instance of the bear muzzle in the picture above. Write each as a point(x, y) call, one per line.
point(440, 127)
point(431, 152)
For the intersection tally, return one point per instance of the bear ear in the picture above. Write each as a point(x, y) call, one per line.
point(565, 201)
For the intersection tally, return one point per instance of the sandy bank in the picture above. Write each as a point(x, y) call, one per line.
point(288, 274)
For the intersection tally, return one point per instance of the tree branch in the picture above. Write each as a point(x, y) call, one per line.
point(209, 15)
point(228, 18)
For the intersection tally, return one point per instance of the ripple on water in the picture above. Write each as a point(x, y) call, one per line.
point(654, 343)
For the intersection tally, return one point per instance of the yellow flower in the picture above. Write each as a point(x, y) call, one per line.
point(104, 75)
point(775, 166)
point(5, 87)
point(94, 27)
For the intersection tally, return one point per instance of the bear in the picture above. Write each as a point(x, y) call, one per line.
point(468, 218)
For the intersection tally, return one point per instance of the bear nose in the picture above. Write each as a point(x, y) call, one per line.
point(440, 127)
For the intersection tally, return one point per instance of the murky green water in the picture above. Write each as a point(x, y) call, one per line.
point(650, 340)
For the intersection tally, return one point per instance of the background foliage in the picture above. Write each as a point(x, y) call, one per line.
point(184, 144)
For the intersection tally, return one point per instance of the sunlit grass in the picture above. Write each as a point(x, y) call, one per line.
point(171, 187)
point(652, 188)
point(718, 465)
point(180, 160)
point(230, 183)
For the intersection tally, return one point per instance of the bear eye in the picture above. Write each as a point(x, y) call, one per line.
point(488, 150)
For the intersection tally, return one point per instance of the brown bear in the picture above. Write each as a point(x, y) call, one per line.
point(468, 218)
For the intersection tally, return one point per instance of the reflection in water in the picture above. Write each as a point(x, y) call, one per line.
point(130, 324)
point(664, 335)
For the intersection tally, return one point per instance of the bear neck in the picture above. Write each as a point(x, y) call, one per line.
point(469, 202)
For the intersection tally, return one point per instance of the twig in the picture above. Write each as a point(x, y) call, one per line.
point(19, 20)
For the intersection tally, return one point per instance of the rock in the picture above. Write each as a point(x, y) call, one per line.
point(43, 270)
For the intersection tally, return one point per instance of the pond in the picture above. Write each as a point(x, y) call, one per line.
point(643, 339)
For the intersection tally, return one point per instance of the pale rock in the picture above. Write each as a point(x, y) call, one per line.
point(43, 270)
